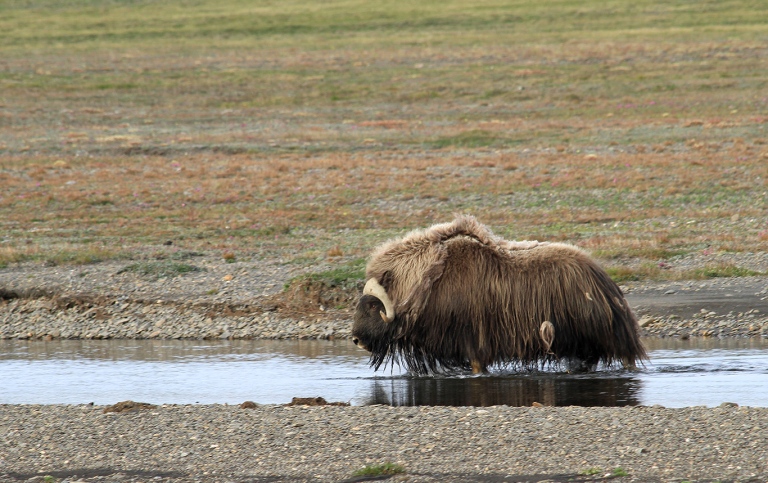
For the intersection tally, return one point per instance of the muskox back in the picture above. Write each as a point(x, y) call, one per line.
point(464, 298)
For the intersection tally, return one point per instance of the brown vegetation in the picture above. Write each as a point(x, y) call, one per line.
point(638, 134)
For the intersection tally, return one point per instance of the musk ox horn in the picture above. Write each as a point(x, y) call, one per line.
point(373, 287)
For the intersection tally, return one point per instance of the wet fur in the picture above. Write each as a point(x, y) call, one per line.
point(465, 297)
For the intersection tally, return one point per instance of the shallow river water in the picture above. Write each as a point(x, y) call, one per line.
point(680, 373)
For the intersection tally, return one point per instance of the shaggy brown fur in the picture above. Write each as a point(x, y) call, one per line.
point(467, 299)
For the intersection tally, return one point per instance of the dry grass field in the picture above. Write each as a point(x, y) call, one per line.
point(310, 131)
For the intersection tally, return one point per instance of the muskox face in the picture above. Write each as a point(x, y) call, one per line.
point(370, 330)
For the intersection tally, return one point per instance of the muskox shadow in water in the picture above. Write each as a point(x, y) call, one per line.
point(455, 297)
point(546, 388)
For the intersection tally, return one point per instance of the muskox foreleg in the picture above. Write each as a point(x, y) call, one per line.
point(628, 364)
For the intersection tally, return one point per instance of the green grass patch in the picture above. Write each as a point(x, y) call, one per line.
point(159, 269)
point(722, 270)
point(621, 274)
point(338, 288)
point(380, 470)
point(653, 271)
point(476, 138)
point(148, 22)
point(185, 255)
point(10, 256)
point(345, 276)
point(67, 255)
point(652, 253)
point(590, 471)
point(617, 472)
point(272, 230)
point(85, 257)
point(594, 471)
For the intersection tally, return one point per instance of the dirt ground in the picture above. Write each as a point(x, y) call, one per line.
point(685, 299)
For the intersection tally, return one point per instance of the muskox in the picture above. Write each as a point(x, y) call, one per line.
point(455, 297)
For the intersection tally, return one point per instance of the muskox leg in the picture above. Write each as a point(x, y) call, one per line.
point(628, 364)
point(574, 365)
point(478, 367)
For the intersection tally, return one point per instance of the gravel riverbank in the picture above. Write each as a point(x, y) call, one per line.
point(246, 301)
point(104, 301)
point(184, 444)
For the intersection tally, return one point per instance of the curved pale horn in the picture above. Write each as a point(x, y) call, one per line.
point(373, 287)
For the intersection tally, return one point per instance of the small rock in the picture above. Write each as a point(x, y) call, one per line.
point(126, 406)
point(314, 401)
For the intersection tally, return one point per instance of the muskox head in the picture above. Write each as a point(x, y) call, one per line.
point(374, 317)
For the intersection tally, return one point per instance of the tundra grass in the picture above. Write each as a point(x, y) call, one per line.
point(159, 269)
point(345, 276)
point(619, 472)
point(309, 132)
point(380, 470)
point(590, 471)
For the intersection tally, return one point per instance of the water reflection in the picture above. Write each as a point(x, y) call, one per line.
point(546, 389)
